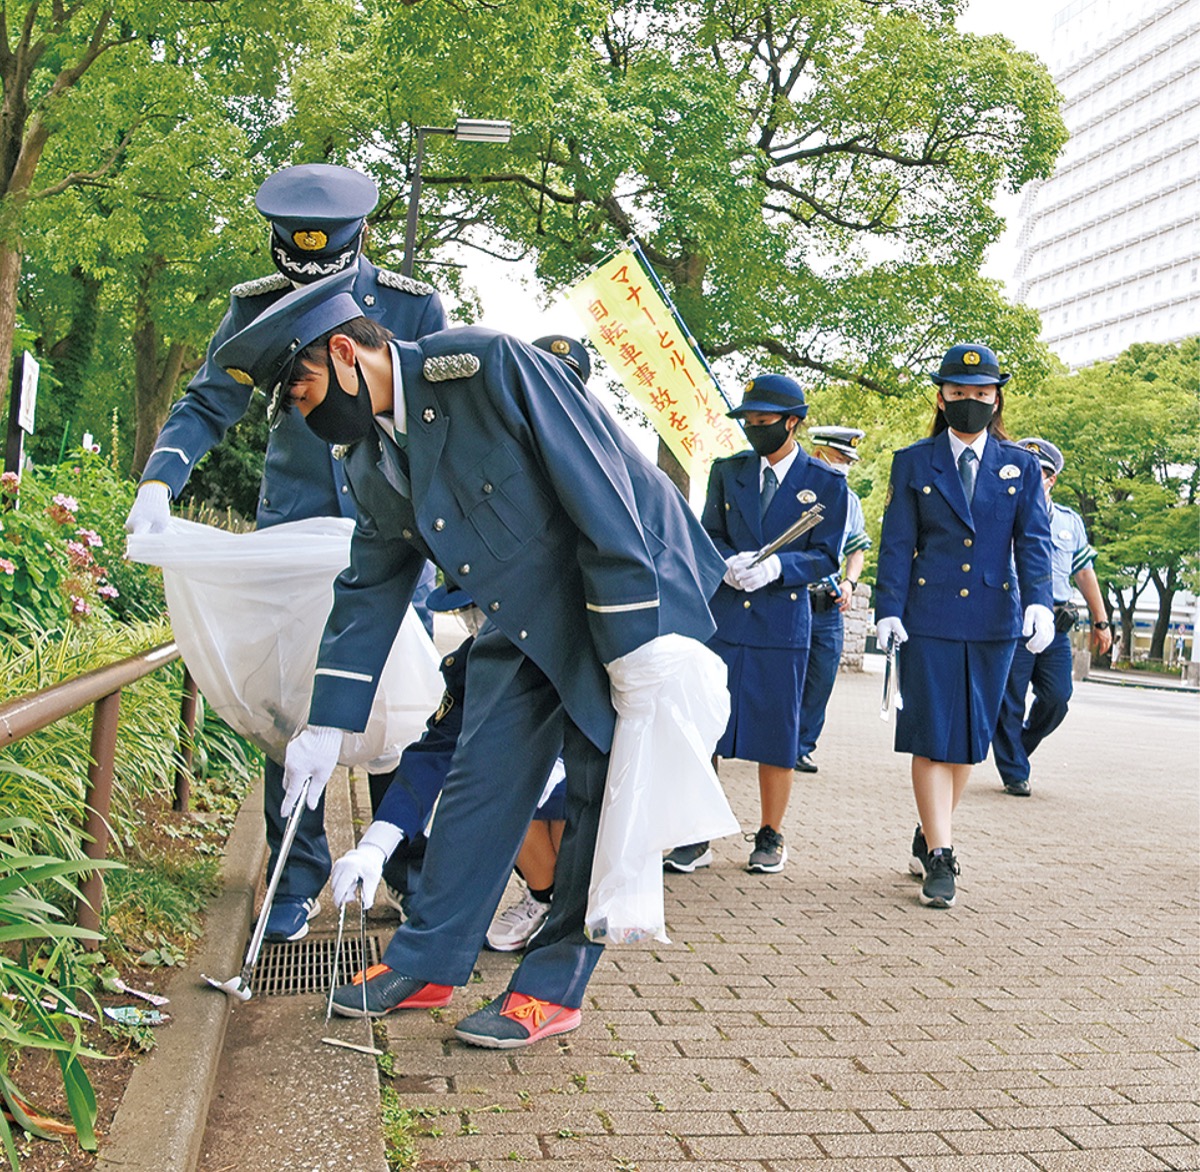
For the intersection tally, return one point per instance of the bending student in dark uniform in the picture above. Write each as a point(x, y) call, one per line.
point(964, 569)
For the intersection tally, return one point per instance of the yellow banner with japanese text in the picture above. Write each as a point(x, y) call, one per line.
point(640, 338)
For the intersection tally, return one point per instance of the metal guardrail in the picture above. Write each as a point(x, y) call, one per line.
point(102, 689)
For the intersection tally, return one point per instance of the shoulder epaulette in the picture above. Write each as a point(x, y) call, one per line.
point(447, 366)
point(390, 280)
point(260, 285)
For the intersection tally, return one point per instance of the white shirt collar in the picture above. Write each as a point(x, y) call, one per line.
point(957, 446)
point(780, 467)
point(399, 411)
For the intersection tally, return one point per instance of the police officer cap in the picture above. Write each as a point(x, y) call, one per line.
point(1048, 455)
point(970, 364)
point(774, 393)
point(571, 351)
point(317, 213)
point(840, 439)
point(446, 598)
point(262, 354)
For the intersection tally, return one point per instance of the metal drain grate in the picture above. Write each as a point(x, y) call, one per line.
point(306, 966)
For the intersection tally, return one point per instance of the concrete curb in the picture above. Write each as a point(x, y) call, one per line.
point(159, 1125)
point(1150, 685)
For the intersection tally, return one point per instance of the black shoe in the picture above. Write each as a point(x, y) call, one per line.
point(805, 764)
point(686, 859)
point(938, 888)
point(919, 863)
point(769, 853)
point(1018, 789)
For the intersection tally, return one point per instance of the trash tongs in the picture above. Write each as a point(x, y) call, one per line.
point(891, 682)
point(239, 986)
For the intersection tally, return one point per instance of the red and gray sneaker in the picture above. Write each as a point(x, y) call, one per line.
point(387, 990)
point(516, 1019)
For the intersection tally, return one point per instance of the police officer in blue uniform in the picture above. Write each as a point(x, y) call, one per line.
point(490, 458)
point(317, 214)
point(763, 614)
point(1072, 556)
point(837, 447)
point(964, 569)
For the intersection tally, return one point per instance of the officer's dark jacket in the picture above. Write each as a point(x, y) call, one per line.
point(951, 570)
point(778, 615)
point(300, 478)
point(521, 487)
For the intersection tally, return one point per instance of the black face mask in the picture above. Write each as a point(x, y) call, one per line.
point(766, 438)
point(968, 416)
point(341, 418)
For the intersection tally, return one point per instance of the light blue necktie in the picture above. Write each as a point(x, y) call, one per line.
point(769, 485)
point(966, 472)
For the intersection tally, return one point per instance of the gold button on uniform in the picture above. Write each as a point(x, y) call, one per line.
point(963, 593)
point(493, 606)
point(523, 635)
point(1005, 585)
point(406, 533)
point(793, 596)
point(465, 568)
point(926, 490)
point(966, 566)
point(487, 488)
point(968, 542)
point(439, 524)
point(746, 604)
point(1012, 491)
point(920, 581)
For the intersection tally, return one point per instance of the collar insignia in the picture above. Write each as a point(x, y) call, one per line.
point(429, 415)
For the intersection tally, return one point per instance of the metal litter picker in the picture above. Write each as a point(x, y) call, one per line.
point(337, 956)
point(239, 986)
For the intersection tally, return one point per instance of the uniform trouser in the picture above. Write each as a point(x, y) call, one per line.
point(1016, 737)
point(824, 657)
point(513, 727)
point(308, 862)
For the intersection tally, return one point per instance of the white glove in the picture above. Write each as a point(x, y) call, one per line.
point(365, 863)
point(735, 565)
point(1039, 623)
point(888, 631)
point(151, 512)
point(756, 577)
point(312, 752)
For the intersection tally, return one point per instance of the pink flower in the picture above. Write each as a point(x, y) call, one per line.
point(108, 593)
point(90, 538)
point(66, 502)
point(78, 553)
point(7, 567)
point(79, 605)
point(9, 482)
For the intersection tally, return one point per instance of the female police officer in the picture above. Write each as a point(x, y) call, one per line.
point(964, 507)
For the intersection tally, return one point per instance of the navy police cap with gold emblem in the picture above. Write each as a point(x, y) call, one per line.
point(774, 393)
point(970, 364)
point(570, 350)
point(317, 212)
point(262, 354)
point(840, 439)
point(1047, 453)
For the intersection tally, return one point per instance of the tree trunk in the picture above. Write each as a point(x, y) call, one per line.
point(1125, 610)
point(674, 469)
point(155, 380)
point(1162, 623)
point(10, 275)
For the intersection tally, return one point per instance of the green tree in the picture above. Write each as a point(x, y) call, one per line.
point(1128, 432)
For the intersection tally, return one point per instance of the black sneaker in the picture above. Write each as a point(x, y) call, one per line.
point(805, 764)
point(938, 888)
point(769, 853)
point(919, 863)
point(686, 859)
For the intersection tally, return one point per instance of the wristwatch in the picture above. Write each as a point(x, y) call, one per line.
point(853, 582)
point(1101, 626)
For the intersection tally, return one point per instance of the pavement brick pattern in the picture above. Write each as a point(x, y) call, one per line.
point(823, 1019)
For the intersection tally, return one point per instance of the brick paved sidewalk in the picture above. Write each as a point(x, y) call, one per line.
point(822, 1018)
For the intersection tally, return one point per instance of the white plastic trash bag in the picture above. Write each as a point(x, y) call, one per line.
point(672, 707)
point(248, 610)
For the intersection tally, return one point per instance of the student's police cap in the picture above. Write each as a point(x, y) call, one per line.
point(570, 350)
point(1048, 455)
point(774, 393)
point(317, 213)
point(970, 364)
point(840, 439)
point(445, 599)
point(263, 353)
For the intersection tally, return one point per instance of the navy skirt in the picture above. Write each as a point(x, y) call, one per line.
point(952, 692)
point(765, 688)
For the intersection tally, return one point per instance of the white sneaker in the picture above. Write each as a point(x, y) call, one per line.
point(514, 927)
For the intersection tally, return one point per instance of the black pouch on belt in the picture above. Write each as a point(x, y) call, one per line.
point(1066, 615)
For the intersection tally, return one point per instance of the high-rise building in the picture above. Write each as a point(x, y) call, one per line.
point(1110, 244)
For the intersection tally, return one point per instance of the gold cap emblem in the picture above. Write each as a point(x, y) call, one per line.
point(749, 387)
point(1033, 448)
point(310, 240)
point(240, 376)
point(560, 346)
point(971, 358)
point(854, 441)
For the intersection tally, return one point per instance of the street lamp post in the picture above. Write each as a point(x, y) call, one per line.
point(464, 130)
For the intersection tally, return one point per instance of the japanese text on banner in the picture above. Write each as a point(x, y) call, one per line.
point(640, 338)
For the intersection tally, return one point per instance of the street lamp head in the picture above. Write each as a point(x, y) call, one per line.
point(482, 130)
